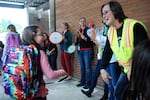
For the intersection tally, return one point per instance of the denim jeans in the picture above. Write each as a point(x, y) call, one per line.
point(95, 76)
point(114, 70)
point(121, 86)
point(85, 57)
point(53, 60)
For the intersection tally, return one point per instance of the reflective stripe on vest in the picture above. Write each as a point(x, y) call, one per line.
point(128, 42)
point(128, 45)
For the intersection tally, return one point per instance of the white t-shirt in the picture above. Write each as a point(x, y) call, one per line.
point(102, 41)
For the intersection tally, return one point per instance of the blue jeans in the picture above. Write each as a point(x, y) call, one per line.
point(85, 57)
point(53, 60)
point(95, 76)
point(121, 86)
point(114, 70)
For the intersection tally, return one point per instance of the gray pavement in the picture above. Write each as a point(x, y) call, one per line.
point(65, 90)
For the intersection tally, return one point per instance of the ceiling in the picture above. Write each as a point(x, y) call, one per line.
point(24, 3)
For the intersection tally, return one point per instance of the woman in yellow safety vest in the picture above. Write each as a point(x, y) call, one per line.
point(123, 35)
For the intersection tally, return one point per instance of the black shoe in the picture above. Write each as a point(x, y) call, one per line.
point(79, 85)
point(68, 78)
point(87, 93)
point(86, 87)
point(104, 97)
point(62, 79)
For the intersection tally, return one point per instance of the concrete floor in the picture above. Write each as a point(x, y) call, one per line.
point(65, 90)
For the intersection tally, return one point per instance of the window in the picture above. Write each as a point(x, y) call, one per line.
point(18, 17)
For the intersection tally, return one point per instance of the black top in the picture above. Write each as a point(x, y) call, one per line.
point(84, 43)
point(52, 46)
point(140, 34)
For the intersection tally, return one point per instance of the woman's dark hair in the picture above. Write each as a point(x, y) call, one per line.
point(47, 37)
point(1, 44)
point(140, 72)
point(12, 28)
point(116, 9)
point(27, 35)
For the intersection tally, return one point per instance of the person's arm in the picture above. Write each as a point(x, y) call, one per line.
point(68, 38)
point(46, 68)
point(140, 34)
point(107, 54)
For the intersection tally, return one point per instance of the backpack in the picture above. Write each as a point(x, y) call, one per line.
point(13, 40)
point(22, 72)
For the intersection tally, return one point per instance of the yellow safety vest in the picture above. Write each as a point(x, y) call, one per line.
point(123, 52)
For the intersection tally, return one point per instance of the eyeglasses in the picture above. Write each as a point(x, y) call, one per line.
point(105, 12)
